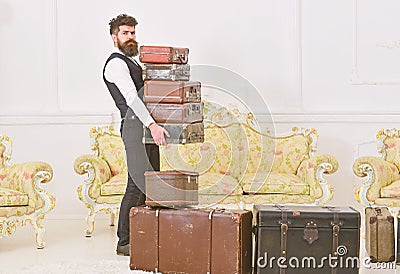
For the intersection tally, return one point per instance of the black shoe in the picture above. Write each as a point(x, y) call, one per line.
point(123, 250)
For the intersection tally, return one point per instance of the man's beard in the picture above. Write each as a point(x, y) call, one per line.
point(129, 47)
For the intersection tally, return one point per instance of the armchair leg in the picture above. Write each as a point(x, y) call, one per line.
point(112, 218)
point(90, 222)
point(39, 230)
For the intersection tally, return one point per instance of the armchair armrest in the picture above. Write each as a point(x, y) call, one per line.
point(98, 173)
point(28, 177)
point(312, 170)
point(21, 176)
point(92, 163)
point(379, 173)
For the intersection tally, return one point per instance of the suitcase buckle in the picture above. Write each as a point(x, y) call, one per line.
point(310, 232)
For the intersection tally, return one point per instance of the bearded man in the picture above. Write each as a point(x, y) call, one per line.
point(123, 77)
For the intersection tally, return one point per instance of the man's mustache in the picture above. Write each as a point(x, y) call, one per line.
point(130, 41)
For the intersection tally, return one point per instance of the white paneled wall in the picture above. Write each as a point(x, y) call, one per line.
point(330, 64)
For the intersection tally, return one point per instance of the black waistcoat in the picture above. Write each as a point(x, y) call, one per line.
point(136, 75)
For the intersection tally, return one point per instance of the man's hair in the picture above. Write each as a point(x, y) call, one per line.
point(121, 20)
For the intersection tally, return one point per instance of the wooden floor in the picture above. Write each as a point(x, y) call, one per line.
point(67, 247)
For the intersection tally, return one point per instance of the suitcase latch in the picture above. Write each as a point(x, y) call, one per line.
point(310, 232)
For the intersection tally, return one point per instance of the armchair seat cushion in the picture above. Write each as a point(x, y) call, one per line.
point(391, 191)
point(216, 183)
point(274, 183)
point(115, 186)
point(10, 197)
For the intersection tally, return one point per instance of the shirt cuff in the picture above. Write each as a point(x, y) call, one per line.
point(149, 121)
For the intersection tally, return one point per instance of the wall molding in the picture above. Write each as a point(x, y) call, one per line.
point(58, 119)
point(113, 118)
point(356, 79)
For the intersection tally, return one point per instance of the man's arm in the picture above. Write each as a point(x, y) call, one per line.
point(117, 72)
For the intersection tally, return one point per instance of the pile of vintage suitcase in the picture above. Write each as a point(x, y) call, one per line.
point(172, 99)
point(175, 103)
point(173, 235)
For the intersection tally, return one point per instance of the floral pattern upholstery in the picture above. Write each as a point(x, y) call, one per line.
point(107, 174)
point(237, 163)
point(22, 197)
point(382, 187)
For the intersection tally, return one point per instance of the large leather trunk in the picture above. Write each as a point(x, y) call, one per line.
point(306, 239)
point(171, 188)
point(186, 113)
point(172, 72)
point(163, 54)
point(179, 133)
point(379, 234)
point(192, 241)
point(177, 92)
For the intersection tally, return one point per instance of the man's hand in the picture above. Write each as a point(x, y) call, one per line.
point(157, 132)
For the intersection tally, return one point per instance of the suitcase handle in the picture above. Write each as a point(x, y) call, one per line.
point(181, 57)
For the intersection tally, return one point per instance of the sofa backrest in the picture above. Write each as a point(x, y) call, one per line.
point(218, 154)
point(110, 147)
point(233, 146)
point(389, 145)
point(5, 150)
point(279, 154)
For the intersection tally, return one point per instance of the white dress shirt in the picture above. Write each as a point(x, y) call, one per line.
point(117, 72)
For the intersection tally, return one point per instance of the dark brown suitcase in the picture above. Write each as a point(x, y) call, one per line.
point(179, 134)
point(306, 239)
point(163, 54)
point(172, 72)
point(186, 113)
point(192, 241)
point(379, 234)
point(177, 92)
point(171, 188)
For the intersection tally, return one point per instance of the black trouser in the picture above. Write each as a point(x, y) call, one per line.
point(140, 158)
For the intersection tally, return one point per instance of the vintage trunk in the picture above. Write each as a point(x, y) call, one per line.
point(163, 54)
point(171, 188)
point(178, 92)
point(191, 241)
point(172, 72)
point(379, 234)
point(179, 134)
point(306, 239)
point(186, 113)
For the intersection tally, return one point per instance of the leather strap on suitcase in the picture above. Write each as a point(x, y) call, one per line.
point(284, 229)
point(209, 242)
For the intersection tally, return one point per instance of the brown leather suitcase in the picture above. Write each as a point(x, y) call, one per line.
point(172, 72)
point(379, 234)
point(306, 239)
point(179, 134)
point(177, 92)
point(171, 188)
point(193, 241)
point(163, 54)
point(186, 113)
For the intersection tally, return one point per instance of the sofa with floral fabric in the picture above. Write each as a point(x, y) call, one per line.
point(382, 185)
point(107, 175)
point(238, 164)
point(22, 197)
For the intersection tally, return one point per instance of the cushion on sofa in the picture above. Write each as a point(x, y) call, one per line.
point(274, 183)
point(10, 197)
point(115, 186)
point(216, 183)
point(391, 191)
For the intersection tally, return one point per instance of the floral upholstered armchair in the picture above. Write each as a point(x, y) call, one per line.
point(22, 198)
point(107, 175)
point(382, 187)
point(240, 165)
